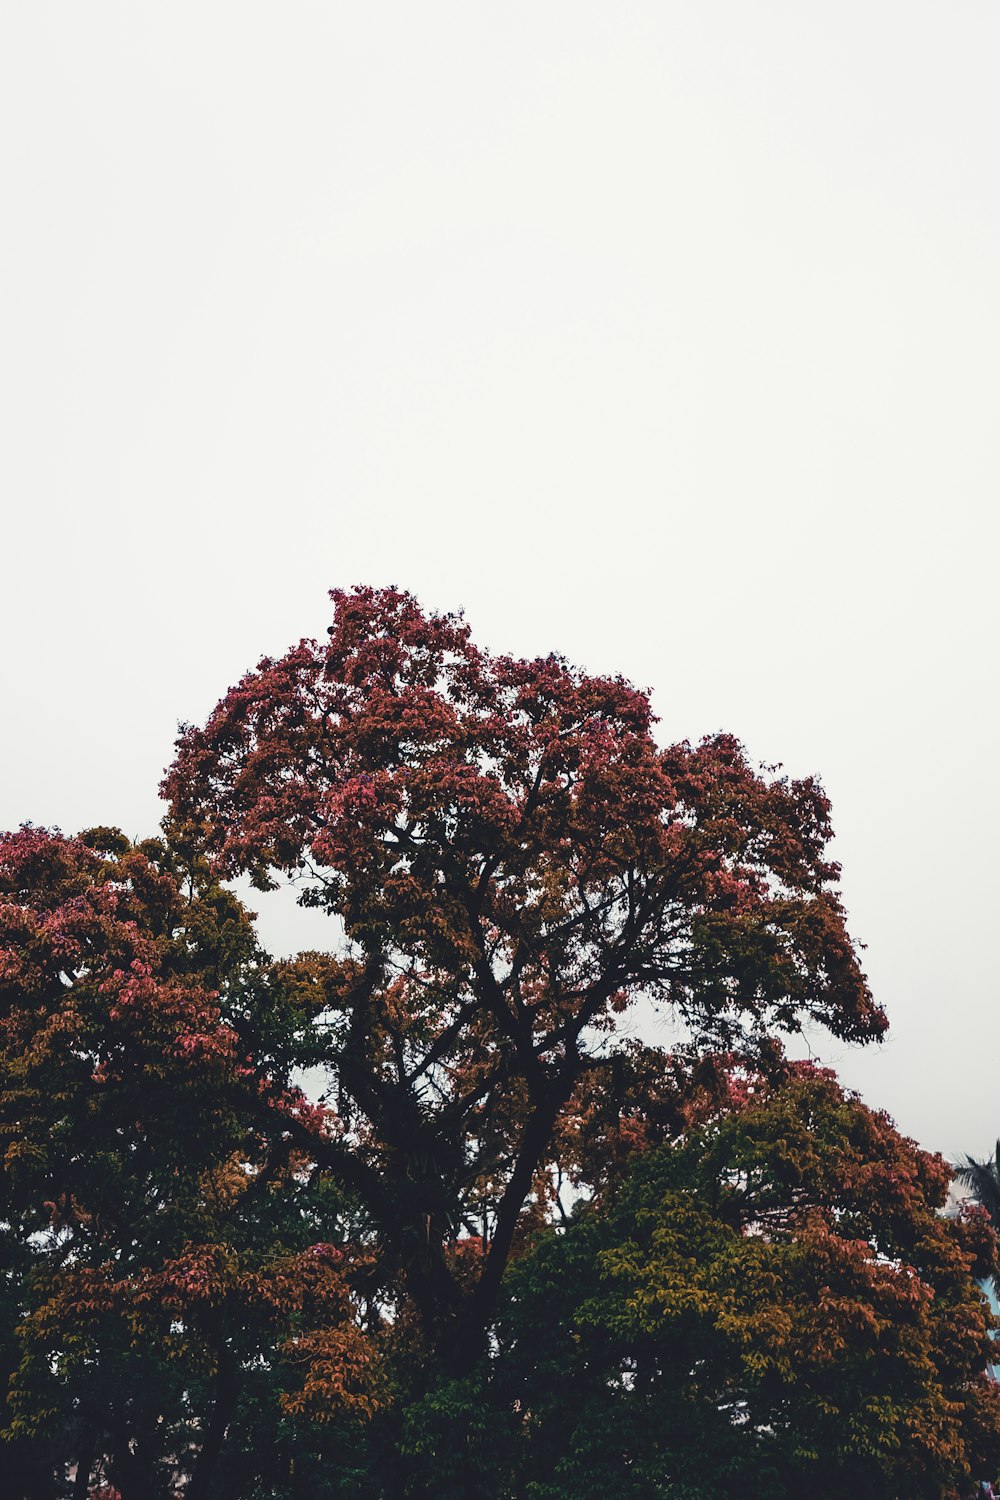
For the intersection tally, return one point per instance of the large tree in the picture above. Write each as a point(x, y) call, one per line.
point(512, 860)
point(216, 1285)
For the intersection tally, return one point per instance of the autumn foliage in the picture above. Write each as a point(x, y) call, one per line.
point(495, 1217)
point(770, 1304)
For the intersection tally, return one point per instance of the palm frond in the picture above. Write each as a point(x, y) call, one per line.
point(982, 1178)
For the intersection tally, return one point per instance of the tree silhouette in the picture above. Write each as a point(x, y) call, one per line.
point(513, 860)
point(212, 1285)
point(982, 1178)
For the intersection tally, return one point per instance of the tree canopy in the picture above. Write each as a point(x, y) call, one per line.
point(771, 1304)
point(220, 1283)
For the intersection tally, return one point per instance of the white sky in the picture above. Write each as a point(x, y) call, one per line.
point(662, 334)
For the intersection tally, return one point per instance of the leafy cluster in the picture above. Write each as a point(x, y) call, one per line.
point(501, 1247)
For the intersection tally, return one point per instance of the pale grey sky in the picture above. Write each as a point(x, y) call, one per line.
point(662, 334)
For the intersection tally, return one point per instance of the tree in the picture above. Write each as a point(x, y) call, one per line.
point(771, 1304)
point(160, 1230)
point(982, 1178)
point(215, 1285)
point(513, 860)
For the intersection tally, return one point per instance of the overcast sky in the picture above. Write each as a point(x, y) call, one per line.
point(664, 335)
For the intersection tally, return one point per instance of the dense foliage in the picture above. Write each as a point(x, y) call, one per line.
point(502, 1247)
point(770, 1305)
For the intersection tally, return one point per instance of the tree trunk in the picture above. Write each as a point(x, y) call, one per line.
point(200, 1487)
point(84, 1464)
